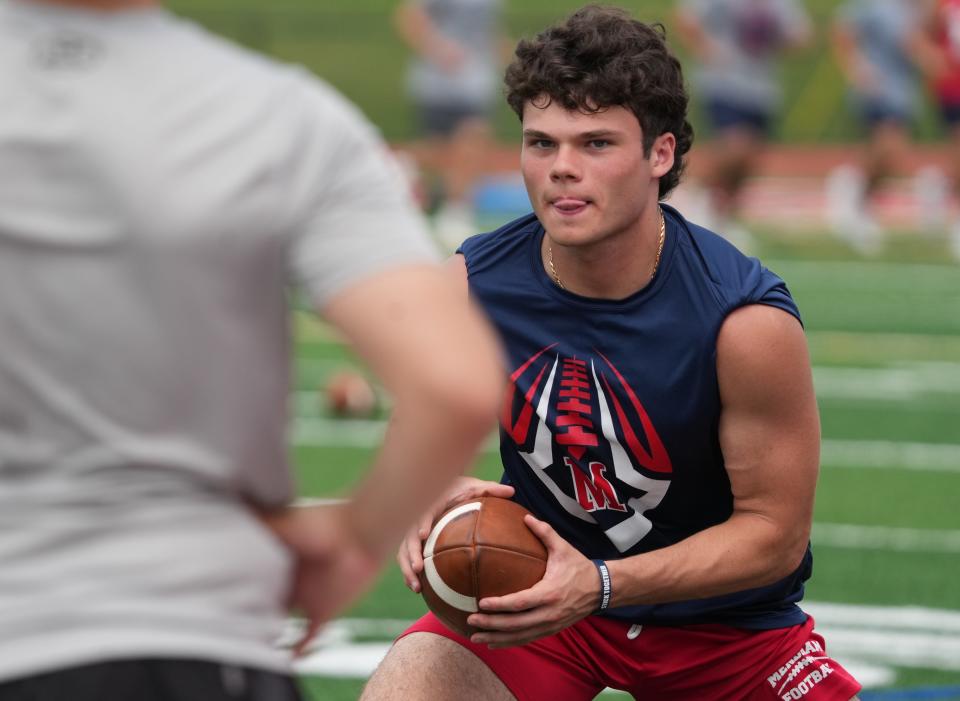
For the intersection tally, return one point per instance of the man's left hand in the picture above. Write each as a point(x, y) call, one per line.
point(332, 567)
point(568, 592)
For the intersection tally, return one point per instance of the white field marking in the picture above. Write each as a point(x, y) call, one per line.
point(896, 618)
point(933, 457)
point(848, 535)
point(909, 636)
point(929, 457)
point(869, 343)
point(870, 641)
point(902, 381)
point(905, 382)
point(898, 382)
point(349, 433)
point(319, 501)
point(844, 535)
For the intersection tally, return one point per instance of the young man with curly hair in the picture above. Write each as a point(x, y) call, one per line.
point(660, 419)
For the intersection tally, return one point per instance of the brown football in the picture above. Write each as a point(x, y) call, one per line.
point(478, 548)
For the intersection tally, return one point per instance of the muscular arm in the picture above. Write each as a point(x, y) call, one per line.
point(846, 52)
point(435, 353)
point(422, 36)
point(770, 438)
point(694, 36)
point(437, 357)
point(921, 44)
point(358, 247)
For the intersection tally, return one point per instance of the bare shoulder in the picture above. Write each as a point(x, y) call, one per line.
point(762, 351)
point(760, 316)
point(456, 267)
point(756, 330)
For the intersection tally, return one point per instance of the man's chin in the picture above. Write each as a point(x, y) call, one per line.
point(569, 229)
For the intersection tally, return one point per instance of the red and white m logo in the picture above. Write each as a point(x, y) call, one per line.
point(593, 491)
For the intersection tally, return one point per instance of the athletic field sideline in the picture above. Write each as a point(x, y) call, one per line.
point(885, 342)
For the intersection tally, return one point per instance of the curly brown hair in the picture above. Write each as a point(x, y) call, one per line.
point(598, 58)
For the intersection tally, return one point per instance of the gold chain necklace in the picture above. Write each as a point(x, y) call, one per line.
point(656, 260)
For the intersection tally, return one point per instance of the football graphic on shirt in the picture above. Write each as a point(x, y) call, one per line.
point(581, 428)
point(476, 549)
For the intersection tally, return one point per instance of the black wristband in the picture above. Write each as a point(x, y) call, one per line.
point(606, 590)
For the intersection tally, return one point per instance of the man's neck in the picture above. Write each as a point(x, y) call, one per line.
point(611, 269)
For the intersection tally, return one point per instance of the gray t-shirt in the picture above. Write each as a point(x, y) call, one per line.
point(882, 29)
point(474, 26)
point(160, 192)
point(751, 36)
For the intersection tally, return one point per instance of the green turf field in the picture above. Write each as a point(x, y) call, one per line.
point(885, 340)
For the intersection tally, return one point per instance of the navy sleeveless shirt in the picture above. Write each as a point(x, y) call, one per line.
point(609, 429)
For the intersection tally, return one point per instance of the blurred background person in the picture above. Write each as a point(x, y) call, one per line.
point(937, 45)
point(161, 192)
point(873, 44)
point(453, 83)
point(737, 46)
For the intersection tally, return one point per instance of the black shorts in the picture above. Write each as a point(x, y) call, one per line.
point(152, 680)
point(876, 113)
point(724, 115)
point(950, 112)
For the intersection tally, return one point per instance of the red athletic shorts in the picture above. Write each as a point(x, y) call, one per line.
point(656, 663)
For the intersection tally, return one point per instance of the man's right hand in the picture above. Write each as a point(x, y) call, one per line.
point(410, 554)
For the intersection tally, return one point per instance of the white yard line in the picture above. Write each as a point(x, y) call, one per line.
point(932, 457)
point(896, 618)
point(926, 457)
point(899, 382)
point(848, 536)
point(870, 640)
point(902, 380)
point(348, 433)
point(898, 636)
point(887, 538)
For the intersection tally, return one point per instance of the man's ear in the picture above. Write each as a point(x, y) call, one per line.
point(662, 154)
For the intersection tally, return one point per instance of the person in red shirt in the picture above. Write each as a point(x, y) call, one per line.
point(938, 49)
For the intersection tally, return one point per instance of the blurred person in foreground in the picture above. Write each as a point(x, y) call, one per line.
point(161, 192)
point(873, 44)
point(937, 44)
point(453, 84)
point(738, 45)
point(660, 421)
